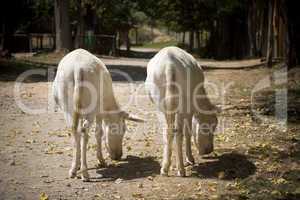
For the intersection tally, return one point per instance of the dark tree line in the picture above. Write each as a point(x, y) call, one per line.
point(238, 28)
point(227, 29)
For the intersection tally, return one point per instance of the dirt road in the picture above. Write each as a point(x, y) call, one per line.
point(252, 160)
point(139, 58)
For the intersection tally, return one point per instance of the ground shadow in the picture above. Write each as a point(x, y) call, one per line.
point(270, 103)
point(227, 166)
point(291, 152)
point(127, 73)
point(130, 168)
point(263, 185)
point(10, 70)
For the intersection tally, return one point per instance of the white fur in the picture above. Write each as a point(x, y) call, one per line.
point(174, 78)
point(83, 80)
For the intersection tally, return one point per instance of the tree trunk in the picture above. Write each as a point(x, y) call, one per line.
point(191, 42)
point(286, 32)
point(79, 34)
point(270, 34)
point(294, 39)
point(252, 28)
point(198, 41)
point(183, 38)
point(62, 26)
point(201, 39)
point(8, 41)
point(8, 38)
point(213, 37)
point(118, 40)
point(260, 31)
point(127, 40)
point(80, 26)
point(136, 36)
point(275, 29)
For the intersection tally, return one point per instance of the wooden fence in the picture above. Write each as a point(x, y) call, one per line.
point(96, 43)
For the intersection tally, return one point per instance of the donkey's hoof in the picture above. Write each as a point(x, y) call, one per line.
point(163, 172)
point(101, 164)
point(85, 177)
point(72, 174)
point(181, 173)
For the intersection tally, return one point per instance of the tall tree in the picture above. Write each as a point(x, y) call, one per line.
point(79, 22)
point(293, 23)
point(252, 20)
point(62, 25)
point(270, 33)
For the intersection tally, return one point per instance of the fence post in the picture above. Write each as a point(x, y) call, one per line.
point(114, 45)
point(41, 41)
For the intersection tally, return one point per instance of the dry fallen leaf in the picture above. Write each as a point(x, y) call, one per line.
point(212, 186)
point(59, 133)
point(276, 193)
point(137, 195)
point(44, 196)
point(30, 141)
point(147, 144)
point(128, 148)
point(278, 181)
point(141, 154)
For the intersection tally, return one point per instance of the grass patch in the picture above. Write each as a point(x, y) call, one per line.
point(15, 65)
point(11, 69)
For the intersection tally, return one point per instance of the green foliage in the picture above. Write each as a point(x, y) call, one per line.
point(42, 8)
point(117, 13)
point(111, 15)
point(42, 12)
point(178, 15)
point(197, 14)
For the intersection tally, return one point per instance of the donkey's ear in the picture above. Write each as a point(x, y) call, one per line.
point(135, 118)
point(131, 117)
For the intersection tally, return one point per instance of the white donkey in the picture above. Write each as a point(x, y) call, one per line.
point(175, 84)
point(83, 90)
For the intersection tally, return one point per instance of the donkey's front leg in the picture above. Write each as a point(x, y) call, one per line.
point(98, 135)
point(168, 136)
point(84, 140)
point(187, 130)
point(179, 140)
point(76, 154)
